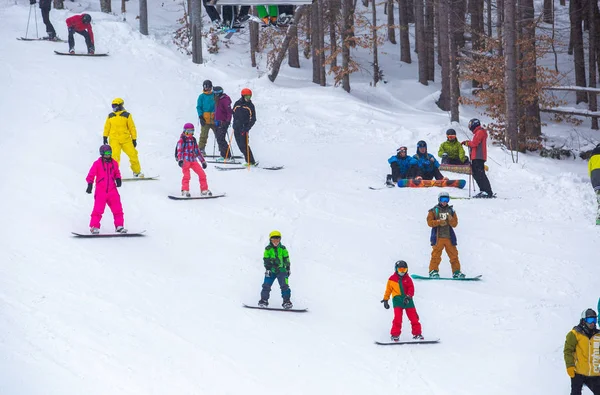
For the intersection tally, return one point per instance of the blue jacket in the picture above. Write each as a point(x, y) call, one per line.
point(424, 162)
point(404, 163)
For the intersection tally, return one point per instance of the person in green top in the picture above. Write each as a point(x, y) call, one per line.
point(277, 264)
point(451, 151)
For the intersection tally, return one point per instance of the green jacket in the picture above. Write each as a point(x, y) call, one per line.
point(277, 259)
point(454, 149)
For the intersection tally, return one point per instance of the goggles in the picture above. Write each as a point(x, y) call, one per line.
point(402, 269)
point(188, 131)
point(107, 153)
point(444, 199)
point(247, 97)
point(402, 149)
point(451, 137)
point(591, 320)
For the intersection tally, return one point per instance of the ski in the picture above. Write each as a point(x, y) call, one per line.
point(292, 310)
point(412, 341)
point(140, 178)
point(196, 197)
point(383, 187)
point(41, 39)
point(229, 162)
point(218, 156)
point(107, 235)
point(473, 278)
point(244, 167)
point(81, 54)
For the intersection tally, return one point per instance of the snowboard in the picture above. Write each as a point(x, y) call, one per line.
point(411, 341)
point(139, 178)
point(292, 310)
point(196, 197)
point(412, 183)
point(41, 39)
point(474, 278)
point(80, 54)
point(252, 167)
point(107, 235)
point(463, 169)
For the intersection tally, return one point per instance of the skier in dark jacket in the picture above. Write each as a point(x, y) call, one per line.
point(223, 115)
point(45, 6)
point(427, 165)
point(403, 166)
point(244, 117)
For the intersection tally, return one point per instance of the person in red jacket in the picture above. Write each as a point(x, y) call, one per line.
point(478, 148)
point(400, 286)
point(81, 24)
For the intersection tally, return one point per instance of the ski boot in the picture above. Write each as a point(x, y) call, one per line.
point(434, 274)
point(255, 164)
point(120, 229)
point(94, 231)
point(263, 303)
point(138, 175)
point(458, 274)
point(186, 194)
point(418, 337)
point(389, 182)
point(206, 193)
point(91, 50)
point(72, 51)
point(287, 304)
point(395, 338)
point(203, 151)
point(243, 18)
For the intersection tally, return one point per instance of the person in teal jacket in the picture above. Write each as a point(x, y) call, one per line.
point(206, 114)
point(277, 264)
point(451, 151)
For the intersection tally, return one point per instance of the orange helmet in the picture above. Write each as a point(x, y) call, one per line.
point(246, 92)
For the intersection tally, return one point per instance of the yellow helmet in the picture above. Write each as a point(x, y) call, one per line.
point(118, 102)
point(275, 233)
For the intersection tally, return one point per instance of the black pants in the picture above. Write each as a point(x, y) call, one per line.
point(592, 382)
point(46, 18)
point(241, 138)
point(230, 12)
point(212, 12)
point(448, 161)
point(478, 171)
point(286, 9)
point(398, 175)
point(430, 175)
point(220, 135)
point(84, 33)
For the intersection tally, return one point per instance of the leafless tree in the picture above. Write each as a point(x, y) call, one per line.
point(144, 17)
point(592, 57)
point(576, 16)
point(375, 49)
point(196, 17)
point(548, 12)
point(531, 127)
point(403, 32)
point(443, 7)
point(291, 32)
point(429, 38)
point(105, 6)
point(347, 25)
point(391, 32)
point(510, 74)
point(421, 46)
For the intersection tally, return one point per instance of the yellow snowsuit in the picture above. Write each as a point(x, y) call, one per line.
point(120, 130)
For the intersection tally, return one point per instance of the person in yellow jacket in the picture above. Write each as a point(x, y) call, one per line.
point(582, 354)
point(120, 134)
point(594, 170)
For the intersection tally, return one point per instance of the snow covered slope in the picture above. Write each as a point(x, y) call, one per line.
point(162, 314)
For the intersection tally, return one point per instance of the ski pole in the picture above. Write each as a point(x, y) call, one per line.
point(28, 19)
point(37, 35)
point(247, 151)
point(229, 146)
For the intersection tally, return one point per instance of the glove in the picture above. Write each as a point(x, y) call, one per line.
point(134, 143)
point(89, 188)
point(202, 121)
point(118, 181)
point(466, 142)
point(32, 1)
point(385, 304)
point(571, 371)
point(180, 163)
point(268, 273)
point(289, 272)
point(407, 300)
point(432, 160)
point(104, 140)
point(217, 123)
point(443, 222)
point(71, 30)
point(204, 165)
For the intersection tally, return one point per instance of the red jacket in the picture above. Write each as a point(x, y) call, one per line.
point(76, 22)
point(478, 144)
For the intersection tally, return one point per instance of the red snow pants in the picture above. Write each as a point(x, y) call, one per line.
point(195, 166)
point(411, 312)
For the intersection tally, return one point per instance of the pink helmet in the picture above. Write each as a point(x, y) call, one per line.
point(188, 126)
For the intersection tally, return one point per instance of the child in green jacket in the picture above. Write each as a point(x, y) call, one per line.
point(451, 151)
point(277, 264)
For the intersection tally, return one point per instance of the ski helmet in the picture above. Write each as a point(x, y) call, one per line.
point(104, 149)
point(400, 264)
point(86, 18)
point(118, 102)
point(246, 92)
point(421, 143)
point(444, 197)
point(589, 313)
point(473, 123)
point(217, 90)
point(207, 85)
point(188, 126)
point(275, 234)
point(450, 132)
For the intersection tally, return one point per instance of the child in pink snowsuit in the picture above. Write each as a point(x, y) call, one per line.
point(188, 154)
point(106, 172)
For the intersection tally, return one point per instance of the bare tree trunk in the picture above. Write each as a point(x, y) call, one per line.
point(489, 18)
point(458, 10)
point(308, 43)
point(292, 31)
point(322, 73)
point(410, 11)
point(391, 32)
point(476, 35)
point(293, 52)
point(196, 17)
point(123, 10)
point(314, 39)
point(532, 124)
point(403, 32)
point(444, 57)
point(374, 38)
point(144, 17)
point(456, 21)
point(576, 16)
point(334, 8)
point(59, 4)
point(346, 37)
point(253, 39)
point(500, 25)
point(592, 53)
point(420, 41)
point(510, 75)
point(429, 39)
point(105, 6)
point(548, 11)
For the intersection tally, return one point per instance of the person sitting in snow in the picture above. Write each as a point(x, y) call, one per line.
point(403, 167)
point(427, 165)
point(451, 151)
point(594, 170)
point(402, 290)
point(276, 260)
point(443, 219)
point(81, 24)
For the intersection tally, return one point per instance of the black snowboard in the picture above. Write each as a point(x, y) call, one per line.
point(196, 197)
point(80, 54)
point(411, 341)
point(106, 235)
point(293, 310)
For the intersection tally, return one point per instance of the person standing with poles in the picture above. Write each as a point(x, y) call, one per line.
point(244, 117)
point(45, 6)
point(223, 115)
point(478, 148)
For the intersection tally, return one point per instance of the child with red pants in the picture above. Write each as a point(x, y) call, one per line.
point(108, 178)
point(400, 286)
point(188, 154)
